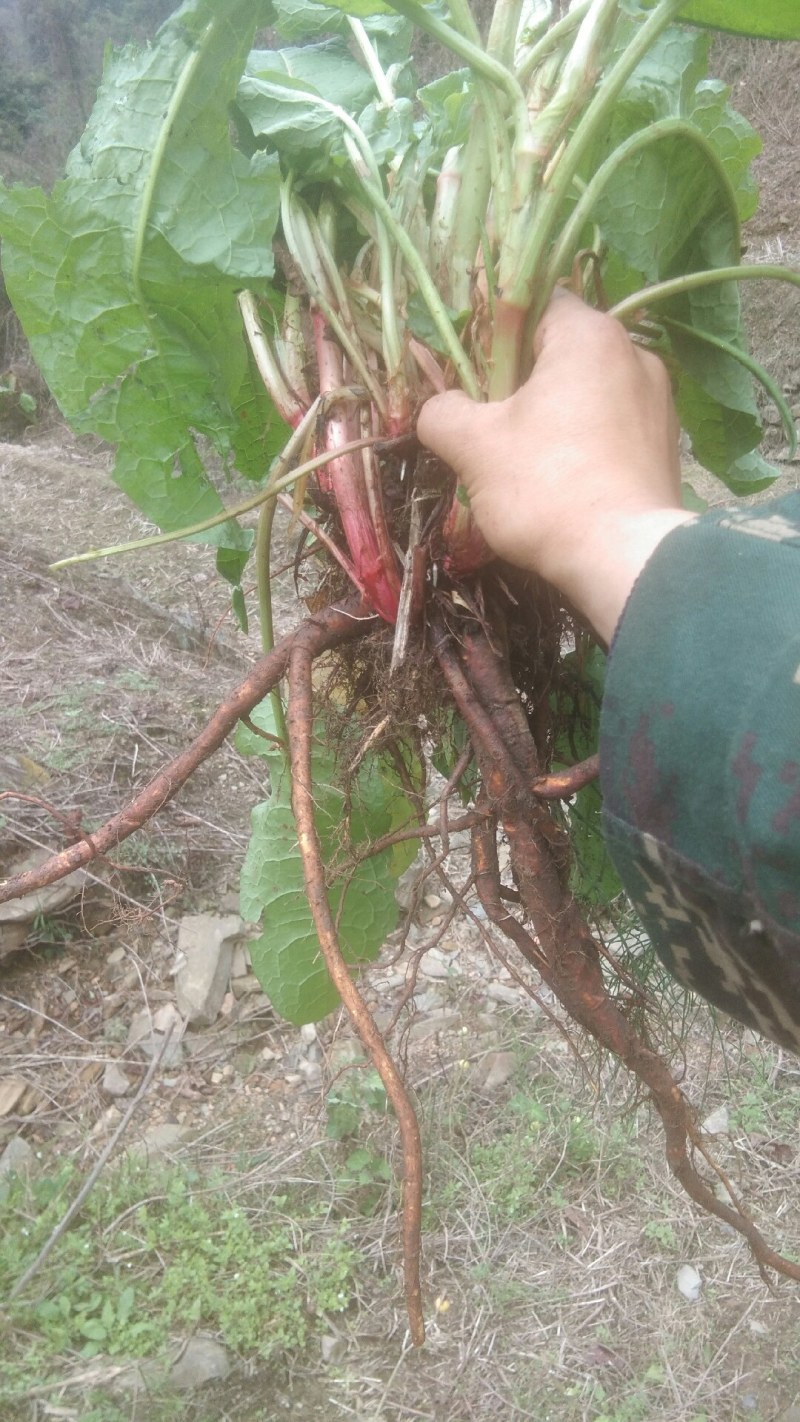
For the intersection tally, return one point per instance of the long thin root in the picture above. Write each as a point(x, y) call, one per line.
point(300, 719)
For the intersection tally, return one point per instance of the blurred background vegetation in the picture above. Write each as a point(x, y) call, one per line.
point(51, 60)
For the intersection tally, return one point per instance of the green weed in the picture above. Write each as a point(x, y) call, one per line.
point(768, 1105)
point(160, 1252)
point(537, 1144)
point(660, 1232)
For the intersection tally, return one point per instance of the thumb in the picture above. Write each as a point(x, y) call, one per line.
point(446, 424)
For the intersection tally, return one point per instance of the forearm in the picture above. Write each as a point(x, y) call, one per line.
point(700, 759)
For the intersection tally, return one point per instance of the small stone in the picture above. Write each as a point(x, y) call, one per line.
point(147, 1032)
point(41, 901)
point(12, 937)
point(240, 962)
point(267, 1055)
point(11, 1092)
point(494, 1070)
point(689, 1282)
point(141, 1027)
point(429, 1026)
point(17, 1157)
point(163, 1138)
point(499, 992)
point(205, 947)
point(115, 1082)
point(390, 982)
point(432, 901)
point(243, 987)
point(333, 1349)
point(717, 1123)
point(308, 1033)
point(436, 964)
point(167, 1019)
point(203, 1360)
point(116, 956)
point(428, 1001)
point(311, 1072)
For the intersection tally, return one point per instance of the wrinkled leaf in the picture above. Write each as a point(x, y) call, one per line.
point(125, 277)
point(276, 97)
point(286, 958)
point(306, 19)
point(448, 105)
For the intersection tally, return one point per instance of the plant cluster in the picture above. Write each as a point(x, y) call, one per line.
point(278, 254)
point(158, 1251)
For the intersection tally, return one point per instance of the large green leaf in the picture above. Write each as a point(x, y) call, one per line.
point(306, 19)
point(273, 94)
point(286, 958)
point(675, 207)
point(763, 19)
point(656, 208)
point(125, 277)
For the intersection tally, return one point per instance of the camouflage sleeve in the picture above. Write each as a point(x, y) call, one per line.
point(700, 759)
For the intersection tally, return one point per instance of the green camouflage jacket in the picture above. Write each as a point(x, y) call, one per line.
point(700, 759)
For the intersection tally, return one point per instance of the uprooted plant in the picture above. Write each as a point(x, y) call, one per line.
point(278, 254)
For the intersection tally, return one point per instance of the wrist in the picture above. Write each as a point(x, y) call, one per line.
point(599, 577)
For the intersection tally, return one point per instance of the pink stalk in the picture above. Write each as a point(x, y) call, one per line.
point(467, 551)
point(372, 484)
point(428, 365)
point(322, 537)
point(345, 481)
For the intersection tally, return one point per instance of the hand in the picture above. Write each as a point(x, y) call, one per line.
point(577, 475)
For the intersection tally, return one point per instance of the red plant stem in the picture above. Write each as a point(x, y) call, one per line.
point(300, 720)
point(467, 549)
point(321, 537)
point(372, 484)
point(428, 365)
point(325, 630)
point(345, 480)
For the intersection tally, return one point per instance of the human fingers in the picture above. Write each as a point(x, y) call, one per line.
point(567, 320)
point(446, 425)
